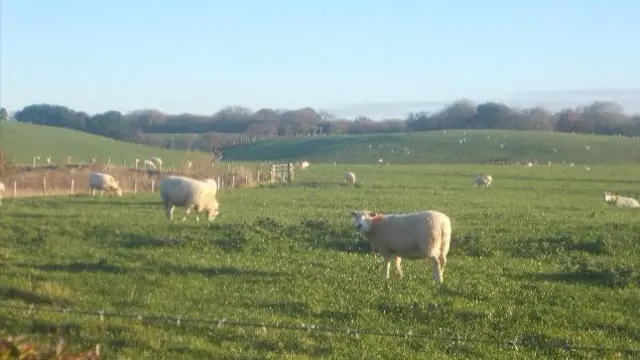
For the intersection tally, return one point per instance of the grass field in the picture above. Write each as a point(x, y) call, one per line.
point(24, 141)
point(545, 263)
point(437, 147)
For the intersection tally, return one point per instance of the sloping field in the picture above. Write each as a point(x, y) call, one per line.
point(450, 147)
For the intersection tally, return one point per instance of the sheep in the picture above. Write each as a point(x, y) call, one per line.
point(104, 183)
point(149, 164)
point(484, 180)
point(620, 201)
point(417, 235)
point(304, 165)
point(187, 192)
point(213, 183)
point(350, 177)
point(1, 191)
point(157, 161)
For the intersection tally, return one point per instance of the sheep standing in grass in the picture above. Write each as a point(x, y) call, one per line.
point(418, 235)
point(190, 193)
point(620, 201)
point(212, 183)
point(304, 165)
point(1, 191)
point(484, 180)
point(104, 183)
point(350, 178)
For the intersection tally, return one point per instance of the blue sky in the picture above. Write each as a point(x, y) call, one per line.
point(198, 56)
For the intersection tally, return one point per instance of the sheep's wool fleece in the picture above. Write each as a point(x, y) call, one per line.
point(184, 191)
point(102, 181)
point(403, 234)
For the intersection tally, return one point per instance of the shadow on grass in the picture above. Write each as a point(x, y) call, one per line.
point(561, 243)
point(76, 267)
point(215, 271)
point(321, 235)
point(12, 293)
point(137, 241)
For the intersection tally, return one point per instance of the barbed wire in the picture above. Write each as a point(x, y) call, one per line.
point(219, 322)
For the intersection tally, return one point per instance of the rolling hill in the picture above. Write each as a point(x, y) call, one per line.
point(481, 146)
point(24, 141)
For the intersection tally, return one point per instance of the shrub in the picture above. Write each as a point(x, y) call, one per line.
point(21, 347)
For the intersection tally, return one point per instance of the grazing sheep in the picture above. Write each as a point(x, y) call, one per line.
point(484, 180)
point(157, 161)
point(1, 191)
point(418, 235)
point(104, 183)
point(350, 177)
point(213, 183)
point(304, 165)
point(186, 192)
point(620, 201)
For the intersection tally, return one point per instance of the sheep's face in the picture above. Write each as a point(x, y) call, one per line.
point(212, 212)
point(119, 192)
point(363, 220)
point(609, 197)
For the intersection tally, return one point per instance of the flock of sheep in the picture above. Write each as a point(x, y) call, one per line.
point(417, 235)
point(175, 191)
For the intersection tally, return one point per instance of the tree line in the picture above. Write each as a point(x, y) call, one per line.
point(236, 124)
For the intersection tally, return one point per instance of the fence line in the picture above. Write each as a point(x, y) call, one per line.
point(178, 320)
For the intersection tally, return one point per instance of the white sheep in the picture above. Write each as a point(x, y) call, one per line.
point(304, 165)
point(484, 180)
point(104, 183)
point(1, 191)
point(157, 161)
point(149, 164)
point(213, 183)
point(186, 192)
point(350, 177)
point(418, 235)
point(620, 201)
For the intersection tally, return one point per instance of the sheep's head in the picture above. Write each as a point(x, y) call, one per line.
point(119, 192)
point(363, 220)
point(609, 197)
point(212, 211)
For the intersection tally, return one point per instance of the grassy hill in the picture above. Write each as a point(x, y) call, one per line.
point(24, 141)
point(481, 146)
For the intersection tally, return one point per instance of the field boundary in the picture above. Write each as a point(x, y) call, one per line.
point(179, 320)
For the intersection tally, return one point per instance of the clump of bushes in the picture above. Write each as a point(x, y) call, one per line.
point(22, 348)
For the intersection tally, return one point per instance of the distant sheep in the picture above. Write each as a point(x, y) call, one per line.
point(304, 165)
point(150, 164)
point(104, 183)
point(157, 161)
point(350, 177)
point(484, 180)
point(418, 235)
point(1, 191)
point(190, 193)
point(620, 201)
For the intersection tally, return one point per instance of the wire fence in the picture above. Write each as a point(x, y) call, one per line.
point(178, 320)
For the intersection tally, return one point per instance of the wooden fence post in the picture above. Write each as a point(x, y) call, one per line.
point(44, 186)
point(233, 181)
point(153, 185)
point(290, 172)
point(272, 173)
point(15, 189)
point(73, 182)
point(135, 185)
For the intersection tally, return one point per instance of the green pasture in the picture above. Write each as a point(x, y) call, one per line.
point(440, 147)
point(543, 268)
point(24, 141)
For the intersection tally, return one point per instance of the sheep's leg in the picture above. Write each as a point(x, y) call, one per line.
point(397, 262)
point(442, 262)
point(437, 271)
point(186, 213)
point(93, 192)
point(168, 210)
point(387, 266)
